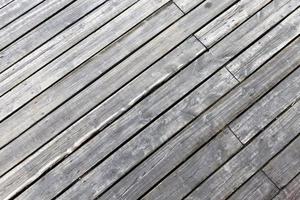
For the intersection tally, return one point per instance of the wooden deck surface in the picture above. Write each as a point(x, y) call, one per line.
point(150, 99)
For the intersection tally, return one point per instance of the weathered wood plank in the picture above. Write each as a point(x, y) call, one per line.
point(112, 54)
point(46, 31)
point(203, 128)
point(248, 161)
point(15, 9)
point(285, 166)
point(150, 138)
point(231, 19)
point(29, 20)
point(114, 106)
point(291, 191)
point(277, 40)
point(259, 187)
point(153, 50)
point(268, 108)
point(187, 5)
point(59, 44)
point(197, 168)
point(181, 81)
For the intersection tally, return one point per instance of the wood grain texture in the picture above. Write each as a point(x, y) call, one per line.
point(187, 5)
point(291, 191)
point(230, 20)
point(45, 31)
point(197, 168)
point(75, 81)
point(259, 187)
point(14, 9)
point(285, 166)
point(59, 44)
point(28, 21)
point(249, 160)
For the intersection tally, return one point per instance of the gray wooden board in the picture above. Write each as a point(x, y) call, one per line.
point(88, 130)
point(166, 41)
point(250, 159)
point(203, 128)
point(29, 20)
point(231, 19)
point(65, 142)
point(197, 168)
point(114, 106)
point(259, 187)
point(74, 82)
point(59, 44)
point(291, 191)
point(45, 31)
point(284, 167)
point(15, 9)
point(269, 107)
point(4, 3)
point(187, 5)
point(112, 169)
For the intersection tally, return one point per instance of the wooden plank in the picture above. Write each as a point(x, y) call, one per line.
point(249, 160)
point(259, 187)
point(231, 19)
point(159, 164)
point(187, 5)
point(291, 191)
point(268, 108)
point(153, 50)
point(59, 44)
point(14, 9)
point(84, 50)
point(277, 40)
point(285, 166)
point(45, 102)
point(133, 152)
point(115, 105)
point(46, 31)
point(29, 20)
point(138, 121)
point(197, 168)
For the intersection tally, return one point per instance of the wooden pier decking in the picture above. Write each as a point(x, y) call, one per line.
point(150, 99)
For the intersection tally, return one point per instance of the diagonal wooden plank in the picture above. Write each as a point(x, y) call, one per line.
point(45, 31)
point(29, 20)
point(226, 22)
point(112, 55)
point(187, 5)
point(259, 187)
point(14, 9)
point(208, 124)
point(197, 168)
point(61, 43)
point(291, 191)
point(285, 166)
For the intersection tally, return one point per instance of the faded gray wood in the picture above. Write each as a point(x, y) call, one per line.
point(114, 106)
point(291, 191)
point(45, 31)
point(29, 20)
point(259, 187)
point(197, 168)
point(15, 9)
point(285, 166)
point(187, 5)
point(59, 44)
point(83, 129)
point(74, 82)
point(249, 160)
point(203, 128)
point(268, 108)
point(276, 40)
point(231, 19)
point(145, 143)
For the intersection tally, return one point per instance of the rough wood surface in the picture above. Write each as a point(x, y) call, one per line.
point(291, 191)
